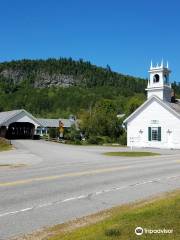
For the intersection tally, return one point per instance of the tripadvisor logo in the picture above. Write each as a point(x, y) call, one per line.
point(139, 231)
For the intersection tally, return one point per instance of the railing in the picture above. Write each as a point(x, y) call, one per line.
point(47, 138)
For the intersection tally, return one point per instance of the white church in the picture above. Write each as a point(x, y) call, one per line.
point(156, 123)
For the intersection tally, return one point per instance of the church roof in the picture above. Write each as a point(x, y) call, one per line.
point(174, 108)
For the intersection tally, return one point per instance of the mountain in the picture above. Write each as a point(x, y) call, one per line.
point(65, 72)
point(59, 87)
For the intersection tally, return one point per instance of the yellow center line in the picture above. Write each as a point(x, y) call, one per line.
point(178, 161)
point(54, 177)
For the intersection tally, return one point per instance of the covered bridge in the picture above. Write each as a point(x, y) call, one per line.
point(18, 124)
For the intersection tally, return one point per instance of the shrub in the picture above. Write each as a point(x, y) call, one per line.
point(72, 134)
point(113, 231)
point(99, 139)
point(53, 132)
point(93, 140)
point(77, 142)
point(4, 144)
point(123, 139)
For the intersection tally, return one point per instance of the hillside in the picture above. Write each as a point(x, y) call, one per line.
point(59, 87)
point(65, 72)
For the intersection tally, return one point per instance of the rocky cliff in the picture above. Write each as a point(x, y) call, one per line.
point(65, 72)
point(40, 79)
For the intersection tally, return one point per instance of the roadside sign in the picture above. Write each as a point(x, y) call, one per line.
point(61, 128)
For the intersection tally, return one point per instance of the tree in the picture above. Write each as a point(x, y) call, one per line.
point(108, 68)
point(133, 103)
point(101, 120)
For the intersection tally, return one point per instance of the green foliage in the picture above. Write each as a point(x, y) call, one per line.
point(176, 88)
point(113, 231)
point(123, 138)
point(100, 124)
point(4, 145)
point(84, 73)
point(93, 139)
point(53, 132)
point(59, 102)
point(131, 154)
point(119, 223)
point(95, 96)
point(134, 102)
point(91, 84)
point(72, 134)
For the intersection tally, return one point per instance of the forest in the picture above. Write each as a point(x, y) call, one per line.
point(57, 88)
point(22, 86)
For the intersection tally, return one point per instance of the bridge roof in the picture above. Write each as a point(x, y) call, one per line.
point(9, 117)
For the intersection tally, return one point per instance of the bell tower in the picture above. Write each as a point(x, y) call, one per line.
point(158, 83)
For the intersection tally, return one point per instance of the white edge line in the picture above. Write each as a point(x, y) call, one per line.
point(84, 196)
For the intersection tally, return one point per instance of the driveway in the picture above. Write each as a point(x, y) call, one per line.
point(62, 182)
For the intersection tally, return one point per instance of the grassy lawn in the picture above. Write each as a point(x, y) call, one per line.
point(131, 154)
point(119, 223)
point(4, 145)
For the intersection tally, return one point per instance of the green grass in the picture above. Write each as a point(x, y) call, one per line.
point(4, 145)
point(131, 154)
point(119, 223)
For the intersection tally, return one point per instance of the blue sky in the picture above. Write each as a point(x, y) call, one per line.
point(126, 34)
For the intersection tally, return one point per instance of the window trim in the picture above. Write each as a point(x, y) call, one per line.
point(150, 134)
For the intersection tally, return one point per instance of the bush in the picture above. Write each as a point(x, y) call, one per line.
point(113, 231)
point(93, 140)
point(4, 144)
point(72, 134)
point(99, 139)
point(53, 132)
point(77, 142)
point(123, 139)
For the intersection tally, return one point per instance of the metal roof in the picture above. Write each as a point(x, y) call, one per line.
point(55, 122)
point(5, 116)
point(10, 116)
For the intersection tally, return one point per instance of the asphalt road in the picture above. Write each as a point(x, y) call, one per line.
point(63, 182)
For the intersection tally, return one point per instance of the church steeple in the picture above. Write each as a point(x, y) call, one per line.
point(158, 83)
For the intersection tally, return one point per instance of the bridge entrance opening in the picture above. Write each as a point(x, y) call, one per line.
point(20, 130)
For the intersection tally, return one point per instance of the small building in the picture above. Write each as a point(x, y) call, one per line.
point(156, 123)
point(21, 124)
point(53, 123)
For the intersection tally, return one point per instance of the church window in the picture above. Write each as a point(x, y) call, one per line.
point(156, 78)
point(154, 133)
